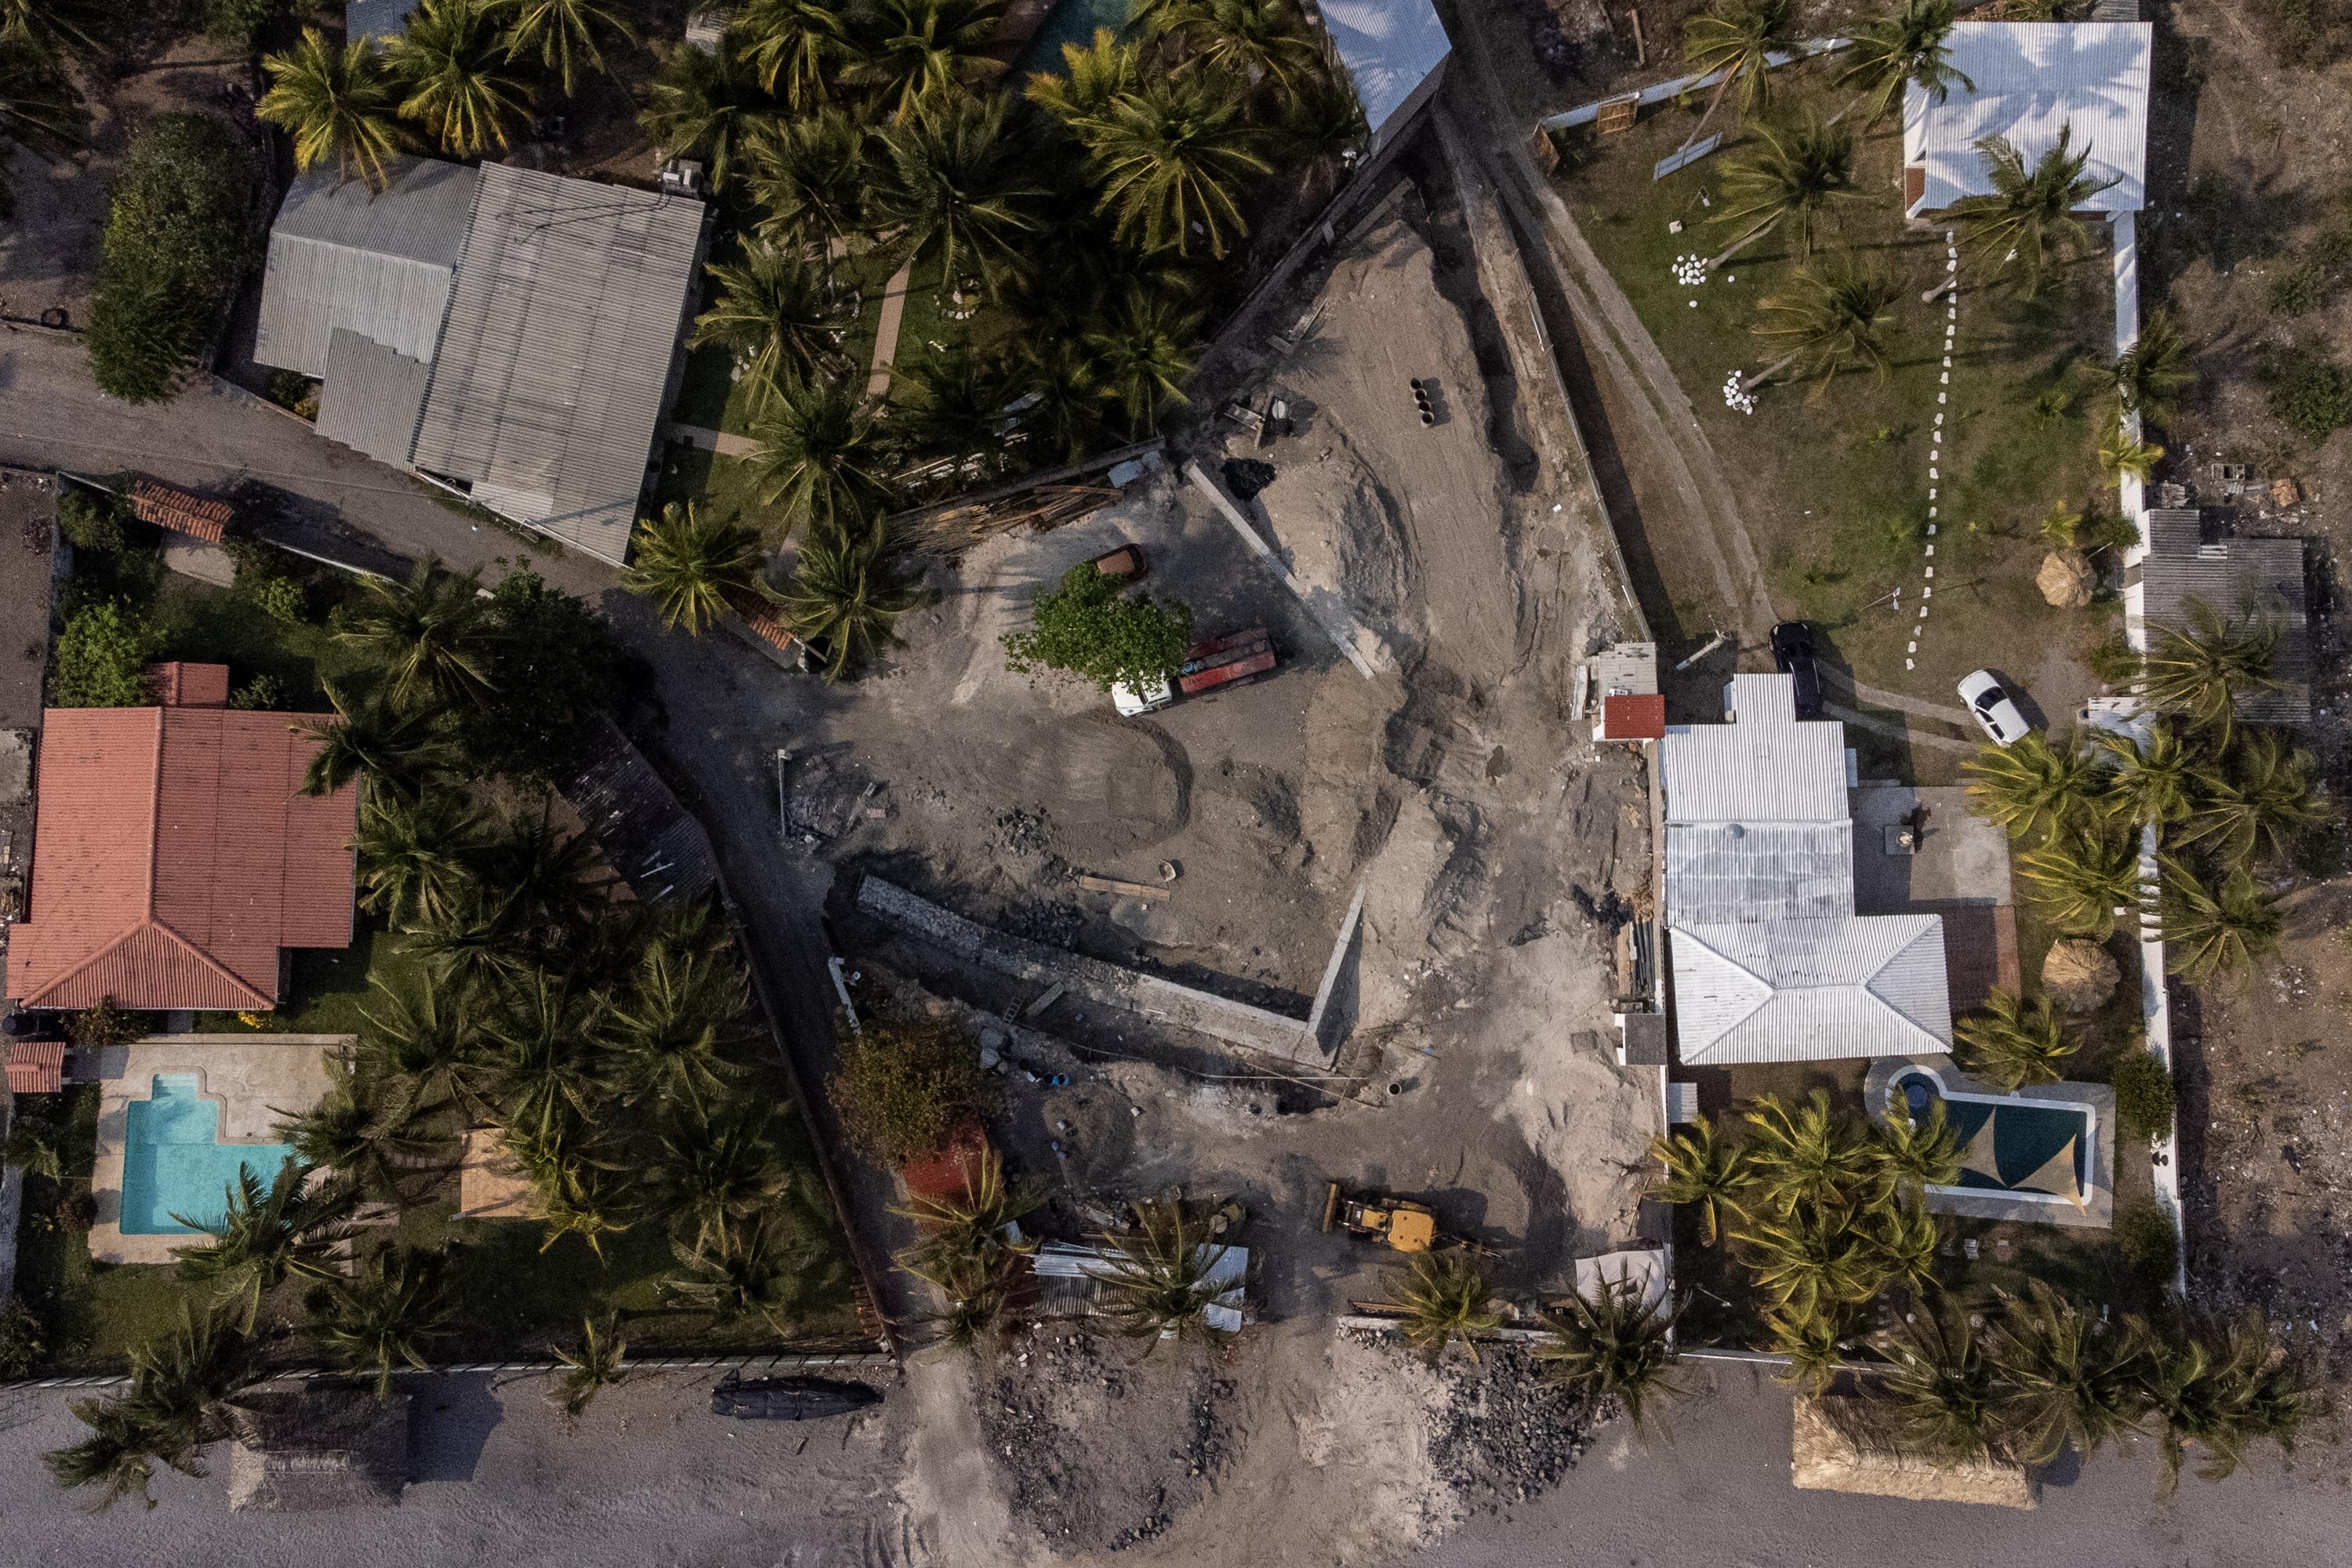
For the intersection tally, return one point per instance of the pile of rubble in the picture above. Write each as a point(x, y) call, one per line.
point(1508, 1432)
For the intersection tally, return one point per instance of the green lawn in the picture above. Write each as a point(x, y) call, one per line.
point(330, 986)
point(215, 625)
point(1835, 489)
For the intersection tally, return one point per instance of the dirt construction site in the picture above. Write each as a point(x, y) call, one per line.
point(1429, 588)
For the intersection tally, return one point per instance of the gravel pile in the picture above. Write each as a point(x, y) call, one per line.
point(1506, 1432)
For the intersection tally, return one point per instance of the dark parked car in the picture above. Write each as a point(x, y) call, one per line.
point(790, 1398)
point(1793, 653)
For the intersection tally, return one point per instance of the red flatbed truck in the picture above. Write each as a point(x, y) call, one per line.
point(1228, 660)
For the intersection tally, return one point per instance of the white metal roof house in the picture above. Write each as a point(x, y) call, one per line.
point(1767, 959)
point(508, 332)
point(2031, 79)
point(1395, 53)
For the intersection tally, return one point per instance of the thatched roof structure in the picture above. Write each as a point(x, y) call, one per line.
point(318, 1448)
point(1848, 1445)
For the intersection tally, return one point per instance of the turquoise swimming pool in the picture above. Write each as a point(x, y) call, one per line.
point(175, 1162)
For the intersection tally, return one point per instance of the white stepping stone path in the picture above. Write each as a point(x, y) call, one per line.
point(1935, 440)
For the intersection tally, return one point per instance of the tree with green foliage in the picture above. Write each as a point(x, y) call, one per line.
point(392, 752)
point(367, 1130)
point(2151, 374)
point(1090, 628)
point(955, 184)
point(970, 1249)
point(1828, 318)
point(2144, 1097)
point(143, 339)
point(1941, 1382)
point(563, 33)
point(2028, 218)
point(708, 105)
point(823, 455)
point(845, 596)
point(387, 1312)
point(1175, 152)
point(1813, 1339)
point(294, 1228)
point(1703, 1168)
point(1909, 46)
point(39, 111)
point(693, 564)
point(426, 1044)
point(55, 29)
point(543, 1073)
point(956, 403)
point(2266, 794)
point(759, 1272)
point(903, 1085)
point(1917, 1151)
point(1145, 347)
point(794, 46)
point(1808, 1157)
point(91, 520)
point(1907, 1242)
point(806, 179)
point(1614, 1344)
point(1158, 1276)
point(777, 315)
point(2212, 931)
point(671, 1026)
point(102, 659)
point(430, 635)
point(915, 55)
point(552, 662)
point(179, 1389)
point(2012, 1043)
point(1067, 418)
point(2063, 1374)
point(2083, 877)
point(451, 59)
point(339, 103)
point(235, 24)
point(2150, 1242)
point(2222, 1385)
point(1810, 1262)
point(1267, 42)
point(1797, 172)
point(2158, 779)
point(1738, 39)
point(1093, 76)
point(177, 241)
point(1443, 1298)
point(708, 1176)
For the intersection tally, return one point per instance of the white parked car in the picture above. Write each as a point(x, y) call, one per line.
point(1994, 708)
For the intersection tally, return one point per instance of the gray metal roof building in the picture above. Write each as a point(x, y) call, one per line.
point(1770, 961)
point(507, 331)
point(2237, 579)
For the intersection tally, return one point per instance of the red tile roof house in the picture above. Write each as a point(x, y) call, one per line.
point(174, 860)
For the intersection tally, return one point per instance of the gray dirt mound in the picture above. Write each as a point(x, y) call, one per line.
point(1105, 1444)
point(1508, 1432)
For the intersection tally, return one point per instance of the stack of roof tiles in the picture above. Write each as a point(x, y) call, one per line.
point(182, 511)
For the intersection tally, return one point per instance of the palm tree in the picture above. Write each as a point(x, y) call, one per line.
point(693, 564)
point(1915, 1152)
point(843, 596)
point(432, 635)
point(1797, 171)
point(1325, 121)
point(807, 179)
point(179, 1386)
point(118, 1456)
point(792, 44)
point(673, 1025)
point(823, 455)
point(2028, 216)
point(1173, 153)
point(365, 1130)
point(1443, 1298)
point(1827, 318)
point(976, 1222)
point(560, 30)
point(41, 112)
point(53, 29)
point(1614, 1344)
point(706, 105)
point(1263, 41)
point(2032, 788)
point(339, 102)
point(2159, 780)
point(777, 314)
point(2210, 932)
point(541, 1068)
point(292, 1228)
point(1067, 415)
point(2154, 372)
point(2083, 878)
point(1910, 46)
point(1905, 1245)
point(392, 750)
point(2064, 1374)
point(955, 181)
point(2221, 1386)
point(31, 1147)
point(1940, 1380)
point(1811, 1260)
point(2264, 797)
point(1704, 1169)
point(600, 1362)
point(415, 856)
point(1145, 348)
point(2123, 455)
point(472, 944)
point(1808, 1157)
point(554, 881)
point(427, 1043)
point(2201, 672)
point(711, 1175)
point(452, 59)
point(387, 1311)
point(1813, 1339)
point(1157, 1279)
point(2012, 1043)
point(757, 1272)
point(575, 1186)
point(1096, 74)
point(957, 411)
point(1738, 39)
point(916, 54)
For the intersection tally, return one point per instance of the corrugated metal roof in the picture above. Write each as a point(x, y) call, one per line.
point(173, 858)
point(1723, 871)
point(1809, 990)
point(371, 398)
point(2032, 78)
point(652, 840)
point(1389, 47)
point(1769, 766)
point(376, 18)
point(378, 263)
point(2238, 578)
point(2173, 531)
point(565, 317)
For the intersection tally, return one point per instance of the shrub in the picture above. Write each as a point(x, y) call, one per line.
point(235, 22)
point(263, 692)
point(144, 335)
point(2114, 661)
point(903, 1085)
point(102, 659)
point(288, 388)
point(1089, 629)
point(178, 237)
point(21, 1348)
point(2297, 291)
point(281, 599)
point(90, 520)
point(2310, 33)
point(2142, 1094)
point(105, 1025)
point(2310, 394)
point(553, 660)
point(2149, 1243)
point(76, 1209)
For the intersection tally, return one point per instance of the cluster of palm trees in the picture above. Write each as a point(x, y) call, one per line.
point(460, 77)
point(41, 111)
point(1827, 1213)
point(1795, 170)
point(2228, 802)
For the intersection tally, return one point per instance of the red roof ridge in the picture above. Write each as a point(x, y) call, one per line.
point(214, 964)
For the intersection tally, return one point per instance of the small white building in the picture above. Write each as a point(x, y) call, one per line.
point(2032, 78)
point(1395, 53)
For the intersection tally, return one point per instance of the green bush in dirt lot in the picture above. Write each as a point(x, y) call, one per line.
point(902, 1086)
point(178, 236)
point(21, 1346)
point(90, 520)
point(102, 659)
point(2310, 393)
point(1087, 627)
point(2297, 291)
point(2142, 1094)
point(2149, 1243)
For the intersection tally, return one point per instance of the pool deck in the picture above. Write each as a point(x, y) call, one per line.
point(2097, 1212)
point(253, 1076)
